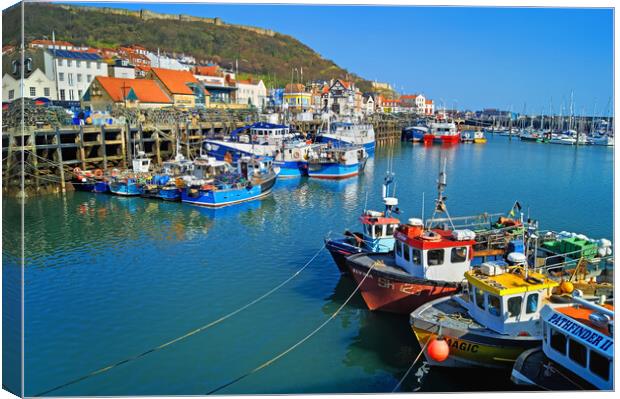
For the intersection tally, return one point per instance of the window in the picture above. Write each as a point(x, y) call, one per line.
point(494, 305)
point(558, 341)
point(390, 229)
point(480, 298)
point(417, 256)
point(88, 78)
point(577, 352)
point(531, 304)
point(62, 94)
point(33, 92)
point(61, 76)
point(435, 257)
point(459, 255)
point(87, 64)
point(399, 248)
point(79, 77)
point(70, 79)
point(70, 95)
point(79, 93)
point(69, 62)
point(46, 91)
point(407, 254)
point(599, 365)
point(514, 306)
point(78, 63)
point(11, 94)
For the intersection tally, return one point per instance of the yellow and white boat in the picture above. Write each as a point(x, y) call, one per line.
point(492, 321)
point(479, 137)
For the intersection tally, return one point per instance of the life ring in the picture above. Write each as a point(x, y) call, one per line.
point(98, 173)
point(114, 172)
point(296, 155)
point(77, 170)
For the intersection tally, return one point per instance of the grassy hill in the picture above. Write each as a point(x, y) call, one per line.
point(269, 56)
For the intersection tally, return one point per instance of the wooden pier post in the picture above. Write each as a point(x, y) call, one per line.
point(104, 148)
point(60, 160)
point(81, 147)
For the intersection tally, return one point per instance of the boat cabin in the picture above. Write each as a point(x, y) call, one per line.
point(505, 298)
point(141, 164)
point(434, 254)
point(249, 167)
point(342, 155)
point(205, 168)
point(265, 133)
point(580, 338)
point(378, 229)
point(443, 129)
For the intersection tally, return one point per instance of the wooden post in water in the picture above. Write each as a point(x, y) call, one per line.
point(104, 148)
point(34, 155)
point(157, 149)
point(60, 161)
point(81, 147)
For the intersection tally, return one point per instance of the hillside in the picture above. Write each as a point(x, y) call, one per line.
point(261, 52)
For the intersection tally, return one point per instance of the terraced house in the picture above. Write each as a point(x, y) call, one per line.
point(181, 86)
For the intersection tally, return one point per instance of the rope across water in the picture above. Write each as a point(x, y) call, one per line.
point(187, 335)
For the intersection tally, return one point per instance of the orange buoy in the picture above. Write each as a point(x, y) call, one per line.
point(566, 287)
point(98, 173)
point(438, 349)
point(524, 334)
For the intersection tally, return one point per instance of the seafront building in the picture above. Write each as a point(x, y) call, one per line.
point(62, 72)
point(131, 93)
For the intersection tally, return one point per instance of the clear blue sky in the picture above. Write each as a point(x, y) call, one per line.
point(469, 57)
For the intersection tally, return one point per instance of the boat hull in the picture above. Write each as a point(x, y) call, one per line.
point(227, 197)
point(369, 145)
point(383, 292)
point(445, 139)
point(129, 189)
point(333, 171)
point(340, 249)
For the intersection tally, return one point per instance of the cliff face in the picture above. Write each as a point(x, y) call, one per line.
point(262, 52)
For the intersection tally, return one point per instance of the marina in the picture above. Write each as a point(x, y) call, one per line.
point(219, 200)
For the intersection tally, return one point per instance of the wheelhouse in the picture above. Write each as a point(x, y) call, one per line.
point(378, 230)
point(506, 299)
point(580, 338)
point(435, 254)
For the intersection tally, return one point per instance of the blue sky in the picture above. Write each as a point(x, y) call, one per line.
point(469, 57)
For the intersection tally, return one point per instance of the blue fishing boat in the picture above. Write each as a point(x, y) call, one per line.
point(167, 184)
point(326, 162)
point(253, 179)
point(414, 134)
point(130, 183)
point(377, 235)
point(263, 139)
point(92, 182)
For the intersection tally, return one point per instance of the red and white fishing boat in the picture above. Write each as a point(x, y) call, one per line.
point(426, 264)
point(442, 133)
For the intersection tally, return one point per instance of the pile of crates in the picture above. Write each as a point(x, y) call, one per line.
point(574, 246)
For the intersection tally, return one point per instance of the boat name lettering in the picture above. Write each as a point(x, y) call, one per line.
point(585, 334)
point(462, 345)
point(385, 283)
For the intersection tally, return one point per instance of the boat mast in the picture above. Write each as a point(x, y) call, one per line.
point(440, 202)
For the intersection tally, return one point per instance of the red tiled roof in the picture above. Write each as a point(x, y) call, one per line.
point(176, 81)
point(146, 90)
point(46, 42)
point(408, 96)
point(294, 88)
point(212, 70)
point(429, 101)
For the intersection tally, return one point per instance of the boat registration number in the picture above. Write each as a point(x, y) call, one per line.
point(406, 288)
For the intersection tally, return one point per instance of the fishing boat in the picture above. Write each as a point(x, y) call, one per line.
point(129, 183)
point(493, 321)
point(292, 158)
point(253, 179)
point(427, 263)
point(529, 135)
point(167, 184)
point(89, 181)
point(442, 133)
point(377, 235)
point(415, 134)
point(577, 351)
point(341, 133)
point(479, 137)
point(327, 162)
point(467, 136)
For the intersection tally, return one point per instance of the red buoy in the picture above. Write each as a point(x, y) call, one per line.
point(438, 349)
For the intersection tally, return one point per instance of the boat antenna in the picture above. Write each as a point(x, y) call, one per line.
point(440, 202)
point(422, 208)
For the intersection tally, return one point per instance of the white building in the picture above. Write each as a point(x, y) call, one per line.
point(165, 62)
point(369, 105)
point(37, 83)
point(251, 93)
point(73, 71)
point(122, 69)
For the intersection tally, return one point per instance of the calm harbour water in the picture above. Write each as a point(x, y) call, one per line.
point(109, 277)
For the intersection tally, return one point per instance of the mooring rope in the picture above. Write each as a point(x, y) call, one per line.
point(413, 364)
point(293, 347)
point(187, 335)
